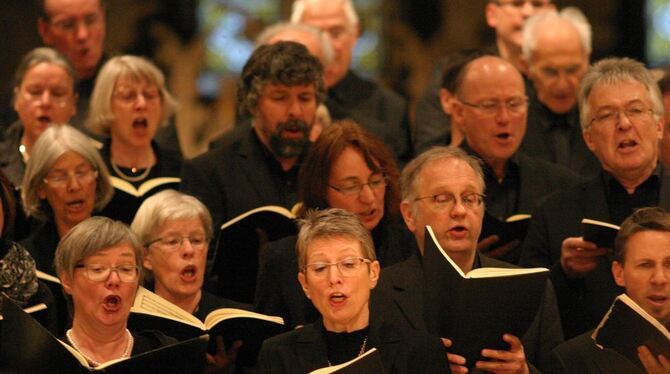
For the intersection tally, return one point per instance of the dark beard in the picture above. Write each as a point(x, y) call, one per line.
point(287, 148)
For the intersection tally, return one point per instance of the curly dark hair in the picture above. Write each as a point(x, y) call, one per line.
point(315, 170)
point(286, 63)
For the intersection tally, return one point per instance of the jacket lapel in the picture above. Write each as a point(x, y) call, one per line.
point(408, 293)
point(311, 348)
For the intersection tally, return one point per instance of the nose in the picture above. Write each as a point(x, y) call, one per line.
point(458, 210)
point(45, 98)
point(82, 31)
point(73, 183)
point(661, 275)
point(294, 108)
point(187, 249)
point(113, 279)
point(527, 9)
point(367, 194)
point(623, 122)
point(140, 101)
point(334, 274)
point(502, 117)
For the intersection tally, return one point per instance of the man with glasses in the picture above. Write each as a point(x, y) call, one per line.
point(556, 50)
point(444, 188)
point(506, 17)
point(490, 108)
point(621, 114)
point(378, 110)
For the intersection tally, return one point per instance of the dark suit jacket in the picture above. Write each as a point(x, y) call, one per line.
point(303, 350)
point(539, 143)
point(581, 355)
point(582, 302)
point(232, 179)
point(11, 161)
point(278, 291)
point(399, 298)
point(380, 111)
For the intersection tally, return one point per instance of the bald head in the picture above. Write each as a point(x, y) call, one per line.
point(314, 39)
point(557, 48)
point(491, 109)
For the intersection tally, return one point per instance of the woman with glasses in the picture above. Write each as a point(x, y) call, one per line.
point(99, 264)
point(44, 93)
point(175, 230)
point(346, 168)
point(65, 182)
point(128, 104)
point(338, 269)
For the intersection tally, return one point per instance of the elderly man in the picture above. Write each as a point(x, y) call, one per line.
point(280, 88)
point(641, 258)
point(490, 108)
point(444, 188)
point(556, 50)
point(621, 114)
point(506, 17)
point(377, 109)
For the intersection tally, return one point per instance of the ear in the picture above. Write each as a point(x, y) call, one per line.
point(16, 94)
point(43, 29)
point(457, 115)
point(490, 13)
point(524, 65)
point(147, 260)
point(406, 211)
point(74, 107)
point(445, 100)
point(303, 284)
point(41, 191)
point(661, 125)
point(588, 140)
point(617, 272)
point(374, 273)
point(66, 282)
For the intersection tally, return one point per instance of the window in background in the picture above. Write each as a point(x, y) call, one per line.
point(232, 25)
point(658, 32)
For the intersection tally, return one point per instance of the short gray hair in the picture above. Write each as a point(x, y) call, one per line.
point(572, 15)
point(165, 206)
point(279, 27)
point(299, 6)
point(100, 113)
point(615, 70)
point(332, 223)
point(51, 145)
point(91, 236)
point(411, 174)
point(47, 56)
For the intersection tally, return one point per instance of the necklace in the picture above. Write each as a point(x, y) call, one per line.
point(129, 178)
point(126, 352)
point(24, 153)
point(362, 350)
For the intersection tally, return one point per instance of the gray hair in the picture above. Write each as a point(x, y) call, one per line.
point(320, 36)
point(47, 56)
point(90, 236)
point(410, 178)
point(100, 113)
point(615, 70)
point(49, 147)
point(332, 223)
point(165, 206)
point(571, 15)
point(299, 6)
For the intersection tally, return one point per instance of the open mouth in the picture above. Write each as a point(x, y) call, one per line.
point(112, 303)
point(627, 144)
point(189, 273)
point(140, 123)
point(658, 299)
point(504, 136)
point(337, 297)
point(44, 120)
point(75, 204)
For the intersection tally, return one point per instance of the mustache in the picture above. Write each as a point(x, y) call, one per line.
point(294, 124)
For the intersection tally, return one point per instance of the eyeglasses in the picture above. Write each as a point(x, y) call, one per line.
point(635, 114)
point(537, 4)
point(352, 187)
point(70, 25)
point(58, 97)
point(446, 201)
point(173, 243)
point(127, 273)
point(61, 179)
point(515, 105)
point(131, 96)
point(348, 267)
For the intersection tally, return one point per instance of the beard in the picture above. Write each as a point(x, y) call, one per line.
point(292, 147)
